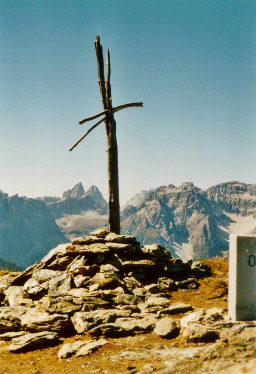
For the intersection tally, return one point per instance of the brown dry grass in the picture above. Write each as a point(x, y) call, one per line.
point(212, 291)
point(3, 272)
point(219, 266)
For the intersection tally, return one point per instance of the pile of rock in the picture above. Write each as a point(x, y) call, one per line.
point(104, 284)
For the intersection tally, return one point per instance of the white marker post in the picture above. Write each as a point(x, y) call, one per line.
point(242, 277)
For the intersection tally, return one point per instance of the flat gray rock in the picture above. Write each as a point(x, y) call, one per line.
point(60, 263)
point(80, 348)
point(43, 275)
point(90, 250)
point(109, 268)
point(15, 295)
point(159, 352)
point(177, 308)
point(156, 250)
point(131, 325)
point(110, 295)
point(107, 280)
point(125, 239)
point(38, 319)
point(10, 318)
point(83, 240)
point(140, 291)
point(195, 317)
point(132, 283)
point(140, 266)
point(189, 283)
point(69, 349)
point(120, 248)
point(153, 288)
point(33, 287)
point(172, 268)
point(165, 284)
point(84, 321)
point(60, 249)
point(81, 280)
point(88, 300)
point(126, 299)
point(30, 341)
point(107, 330)
point(10, 335)
point(197, 333)
point(59, 305)
point(90, 347)
point(165, 327)
point(204, 316)
point(78, 293)
point(59, 284)
point(78, 263)
point(101, 232)
point(154, 300)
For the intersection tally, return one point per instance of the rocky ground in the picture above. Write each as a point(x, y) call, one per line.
point(103, 304)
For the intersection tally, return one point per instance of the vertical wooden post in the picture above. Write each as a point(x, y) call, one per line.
point(110, 126)
point(113, 179)
point(101, 78)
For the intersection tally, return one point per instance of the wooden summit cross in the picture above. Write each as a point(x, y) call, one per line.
point(110, 127)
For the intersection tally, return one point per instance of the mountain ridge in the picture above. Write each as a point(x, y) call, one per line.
point(190, 222)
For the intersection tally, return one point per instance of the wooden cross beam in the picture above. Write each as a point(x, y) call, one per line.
point(110, 127)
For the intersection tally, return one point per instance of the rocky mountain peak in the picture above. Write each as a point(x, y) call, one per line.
point(230, 188)
point(3, 195)
point(95, 195)
point(76, 202)
point(234, 197)
point(93, 191)
point(76, 192)
point(152, 195)
point(135, 200)
point(187, 186)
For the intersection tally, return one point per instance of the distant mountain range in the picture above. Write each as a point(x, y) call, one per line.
point(9, 266)
point(192, 223)
point(27, 230)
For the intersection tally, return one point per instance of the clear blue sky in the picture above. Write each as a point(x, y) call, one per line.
point(191, 62)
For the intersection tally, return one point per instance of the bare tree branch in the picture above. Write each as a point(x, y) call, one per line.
point(120, 107)
point(93, 117)
point(116, 109)
point(93, 127)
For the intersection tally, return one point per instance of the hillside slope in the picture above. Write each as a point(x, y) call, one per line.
point(27, 230)
point(78, 212)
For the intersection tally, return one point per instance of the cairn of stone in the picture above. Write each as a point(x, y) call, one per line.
point(105, 284)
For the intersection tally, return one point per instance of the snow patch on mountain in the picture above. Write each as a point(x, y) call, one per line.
point(81, 224)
